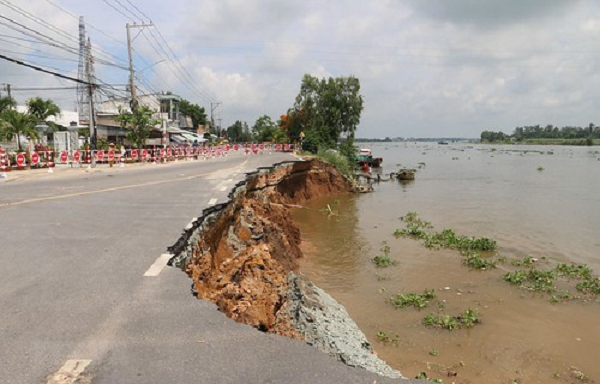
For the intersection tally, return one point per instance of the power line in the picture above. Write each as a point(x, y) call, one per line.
point(19, 62)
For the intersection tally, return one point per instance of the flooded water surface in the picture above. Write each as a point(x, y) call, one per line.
point(538, 201)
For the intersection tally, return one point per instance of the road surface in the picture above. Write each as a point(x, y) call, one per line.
point(84, 295)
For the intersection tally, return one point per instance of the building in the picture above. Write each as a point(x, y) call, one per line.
point(165, 103)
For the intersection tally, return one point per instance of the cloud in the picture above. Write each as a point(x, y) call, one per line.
point(489, 14)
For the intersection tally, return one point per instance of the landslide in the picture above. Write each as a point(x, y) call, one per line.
point(244, 253)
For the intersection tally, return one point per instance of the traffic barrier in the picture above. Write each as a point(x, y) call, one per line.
point(46, 158)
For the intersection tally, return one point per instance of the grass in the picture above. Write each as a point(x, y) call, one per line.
point(467, 319)
point(339, 161)
point(416, 300)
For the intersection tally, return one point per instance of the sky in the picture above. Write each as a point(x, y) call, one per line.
point(435, 68)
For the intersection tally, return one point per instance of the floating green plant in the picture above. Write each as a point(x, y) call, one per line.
point(384, 338)
point(467, 319)
point(416, 300)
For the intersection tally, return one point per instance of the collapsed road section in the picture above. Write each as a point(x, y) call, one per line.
point(243, 256)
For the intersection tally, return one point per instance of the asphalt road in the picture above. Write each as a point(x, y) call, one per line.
point(75, 302)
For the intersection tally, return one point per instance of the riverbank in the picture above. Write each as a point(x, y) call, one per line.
point(243, 256)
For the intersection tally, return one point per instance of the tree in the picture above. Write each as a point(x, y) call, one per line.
point(42, 109)
point(13, 123)
point(326, 109)
point(264, 129)
point(238, 132)
point(196, 112)
point(139, 122)
point(7, 103)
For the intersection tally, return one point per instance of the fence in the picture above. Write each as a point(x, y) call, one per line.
point(48, 159)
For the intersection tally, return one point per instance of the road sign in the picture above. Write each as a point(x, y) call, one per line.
point(20, 159)
point(111, 155)
point(76, 156)
point(64, 157)
point(134, 154)
point(236, 147)
point(279, 147)
point(100, 155)
point(35, 158)
point(262, 147)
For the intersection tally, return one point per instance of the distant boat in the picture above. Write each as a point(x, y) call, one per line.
point(365, 157)
point(443, 142)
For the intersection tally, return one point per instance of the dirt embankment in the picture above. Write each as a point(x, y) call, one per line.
point(242, 256)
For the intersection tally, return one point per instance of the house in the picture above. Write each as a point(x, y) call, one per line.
point(165, 103)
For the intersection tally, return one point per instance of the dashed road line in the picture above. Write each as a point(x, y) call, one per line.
point(70, 372)
point(158, 265)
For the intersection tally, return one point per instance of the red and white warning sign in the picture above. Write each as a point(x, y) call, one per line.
point(100, 155)
point(20, 159)
point(35, 158)
point(76, 156)
point(169, 152)
point(236, 147)
point(145, 153)
point(134, 154)
point(279, 147)
point(64, 157)
point(261, 147)
point(111, 155)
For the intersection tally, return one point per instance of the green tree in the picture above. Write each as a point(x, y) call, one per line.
point(7, 103)
point(13, 123)
point(196, 112)
point(238, 132)
point(42, 109)
point(138, 122)
point(326, 109)
point(264, 129)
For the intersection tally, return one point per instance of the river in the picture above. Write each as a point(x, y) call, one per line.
point(541, 201)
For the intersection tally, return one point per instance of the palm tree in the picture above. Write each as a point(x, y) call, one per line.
point(6, 103)
point(13, 123)
point(42, 109)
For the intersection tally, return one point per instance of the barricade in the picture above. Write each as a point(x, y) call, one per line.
point(46, 158)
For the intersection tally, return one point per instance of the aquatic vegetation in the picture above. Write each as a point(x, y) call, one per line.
point(540, 168)
point(590, 286)
point(524, 262)
point(384, 338)
point(418, 228)
point(564, 296)
point(578, 271)
point(533, 279)
point(383, 261)
point(474, 260)
point(423, 376)
point(467, 319)
point(416, 300)
point(434, 352)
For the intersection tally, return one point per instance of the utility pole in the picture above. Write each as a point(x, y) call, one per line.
point(8, 90)
point(213, 107)
point(130, 52)
point(92, 125)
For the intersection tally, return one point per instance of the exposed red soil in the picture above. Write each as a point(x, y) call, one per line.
point(242, 260)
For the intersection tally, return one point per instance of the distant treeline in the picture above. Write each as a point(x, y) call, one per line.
point(537, 133)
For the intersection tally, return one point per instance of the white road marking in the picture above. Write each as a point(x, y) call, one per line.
point(70, 372)
point(212, 202)
point(158, 265)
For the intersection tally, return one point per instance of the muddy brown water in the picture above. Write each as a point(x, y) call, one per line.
point(492, 191)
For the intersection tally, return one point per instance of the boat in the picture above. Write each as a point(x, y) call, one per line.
point(443, 142)
point(365, 157)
